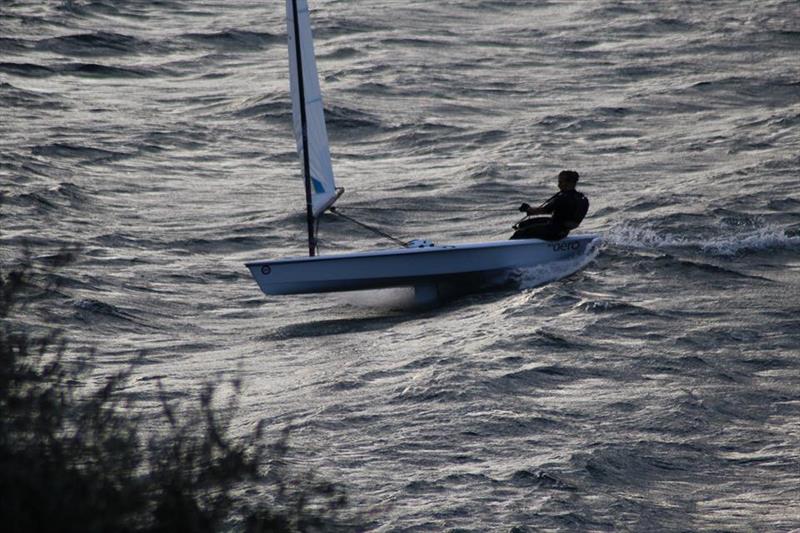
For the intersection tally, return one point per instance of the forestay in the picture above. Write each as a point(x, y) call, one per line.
point(323, 189)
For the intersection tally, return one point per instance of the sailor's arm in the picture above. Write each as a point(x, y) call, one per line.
point(545, 209)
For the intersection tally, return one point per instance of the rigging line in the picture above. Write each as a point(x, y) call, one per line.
point(437, 209)
point(373, 229)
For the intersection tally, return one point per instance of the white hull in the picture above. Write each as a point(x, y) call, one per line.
point(418, 267)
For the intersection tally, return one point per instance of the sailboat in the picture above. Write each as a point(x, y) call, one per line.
point(420, 264)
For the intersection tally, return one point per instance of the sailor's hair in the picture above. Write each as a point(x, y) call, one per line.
point(569, 175)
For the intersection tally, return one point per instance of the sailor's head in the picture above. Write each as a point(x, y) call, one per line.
point(567, 180)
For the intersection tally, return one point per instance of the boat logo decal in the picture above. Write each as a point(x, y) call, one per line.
point(564, 246)
point(265, 269)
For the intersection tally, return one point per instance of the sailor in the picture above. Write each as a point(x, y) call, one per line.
point(566, 209)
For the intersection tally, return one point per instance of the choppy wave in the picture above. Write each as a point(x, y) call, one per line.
point(94, 44)
point(233, 39)
point(80, 69)
point(86, 153)
point(15, 96)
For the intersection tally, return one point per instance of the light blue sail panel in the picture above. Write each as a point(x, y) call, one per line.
point(323, 187)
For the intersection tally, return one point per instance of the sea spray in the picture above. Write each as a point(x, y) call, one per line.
point(530, 277)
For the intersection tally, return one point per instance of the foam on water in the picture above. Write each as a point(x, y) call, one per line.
point(737, 241)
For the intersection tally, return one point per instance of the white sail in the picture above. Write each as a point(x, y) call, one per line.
point(323, 188)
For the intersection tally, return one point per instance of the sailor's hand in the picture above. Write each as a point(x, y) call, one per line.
point(524, 208)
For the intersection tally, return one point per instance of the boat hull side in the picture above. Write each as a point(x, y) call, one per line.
point(407, 267)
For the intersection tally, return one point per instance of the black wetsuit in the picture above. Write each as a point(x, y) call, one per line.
point(567, 209)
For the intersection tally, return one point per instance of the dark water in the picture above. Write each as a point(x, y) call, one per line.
point(656, 389)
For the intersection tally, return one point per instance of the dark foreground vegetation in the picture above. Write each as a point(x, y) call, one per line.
point(72, 460)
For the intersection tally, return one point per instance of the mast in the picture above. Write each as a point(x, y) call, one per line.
point(312, 239)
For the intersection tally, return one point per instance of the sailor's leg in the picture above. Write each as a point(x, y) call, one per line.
point(535, 228)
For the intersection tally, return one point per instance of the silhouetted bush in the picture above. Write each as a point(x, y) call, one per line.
point(72, 460)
